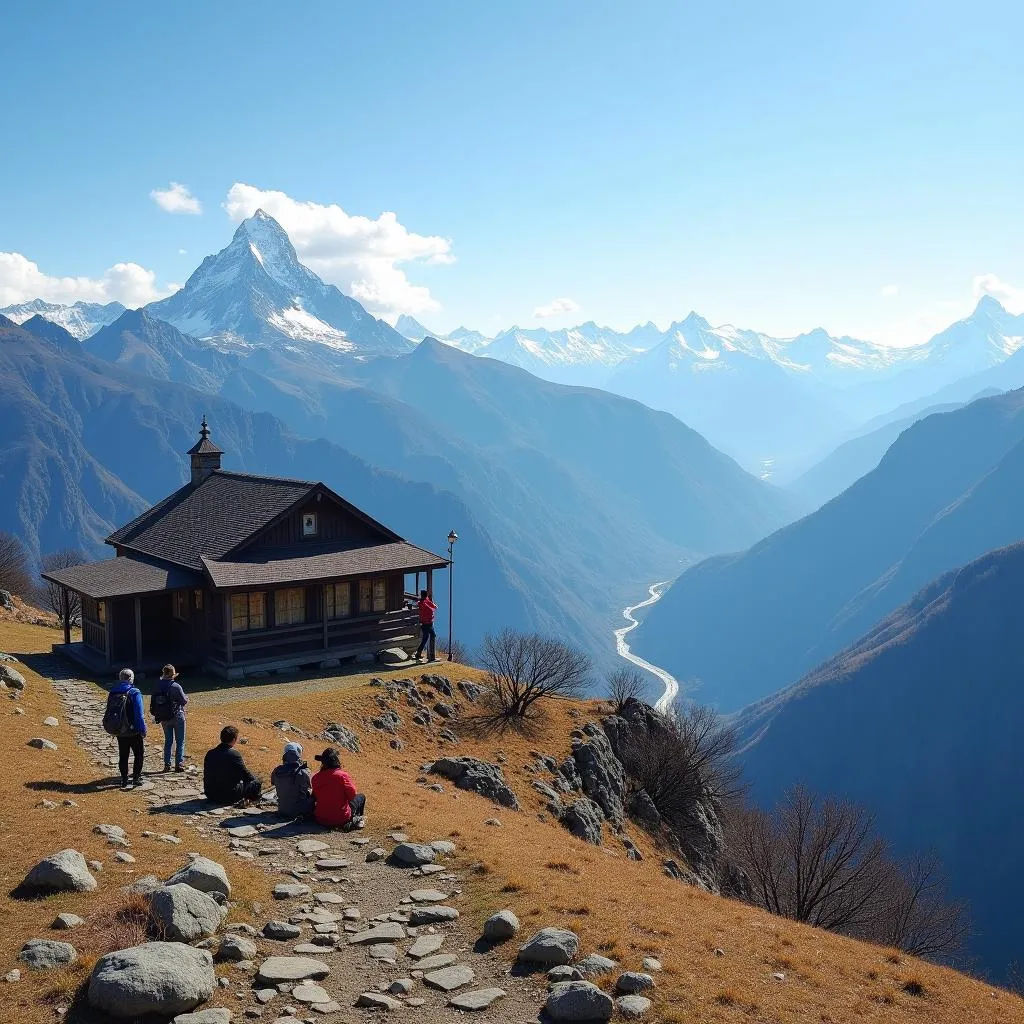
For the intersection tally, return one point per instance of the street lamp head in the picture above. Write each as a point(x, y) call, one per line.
point(452, 537)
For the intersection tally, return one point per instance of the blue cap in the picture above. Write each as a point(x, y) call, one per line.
point(292, 752)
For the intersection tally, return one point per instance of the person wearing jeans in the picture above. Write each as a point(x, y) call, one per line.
point(172, 700)
point(427, 610)
point(131, 740)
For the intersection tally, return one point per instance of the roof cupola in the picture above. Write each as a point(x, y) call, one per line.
point(205, 455)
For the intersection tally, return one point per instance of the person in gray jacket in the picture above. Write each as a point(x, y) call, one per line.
point(294, 784)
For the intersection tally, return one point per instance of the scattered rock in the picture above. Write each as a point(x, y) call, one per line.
point(447, 979)
point(500, 926)
point(376, 854)
point(45, 954)
point(11, 676)
point(277, 969)
point(578, 1001)
point(164, 978)
point(310, 994)
point(389, 931)
point(633, 1006)
point(477, 776)
point(281, 930)
point(550, 947)
point(236, 947)
point(633, 981)
point(564, 972)
point(413, 854)
point(184, 914)
point(40, 744)
point(432, 915)
point(651, 964)
point(12, 976)
point(479, 999)
point(376, 1001)
point(290, 891)
point(595, 964)
point(67, 921)
point(51, 722)
point(305, 846)
point(428, 896)
point(439, 960)
point(203, 874)
point(66, 871)
point(425, 945)
point(123, 858)
point(212, 1015)
point(341, 736)
point(401, 986)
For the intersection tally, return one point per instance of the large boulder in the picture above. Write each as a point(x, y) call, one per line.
point(549, 948)
point(579, 1001)
point(66, 871)
point(584, 819)
point(46, 954)
point(203, 874)
point(602, 777)
point(165, 978)
point(477, 776)
point(183, 914)
point(11, 677)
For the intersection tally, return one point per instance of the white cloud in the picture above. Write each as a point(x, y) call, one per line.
point(176, 199)
point(557, 307)
point(889, 290)
point(361, 255)
point(989, 284)
point(21, 280)
point(183, 252)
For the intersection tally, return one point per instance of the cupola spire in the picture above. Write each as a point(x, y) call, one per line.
point(205, 455)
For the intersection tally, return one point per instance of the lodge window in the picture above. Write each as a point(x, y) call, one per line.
point(101, 612)
point(309, 528)
point(179, 604)
point(373, 596)
point(338, 600)
point(198, 594)
point(248, 611)
point(289, 606)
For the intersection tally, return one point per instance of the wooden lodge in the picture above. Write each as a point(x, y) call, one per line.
point(239, 574)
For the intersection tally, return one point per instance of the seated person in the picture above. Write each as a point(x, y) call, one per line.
point(337, 804)
point(226, 780)
point(294, 783)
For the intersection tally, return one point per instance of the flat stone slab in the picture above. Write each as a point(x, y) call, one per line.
point(378, 1001)
point(479, 999)
point(413, 854)
point(311, 846)
point(425, 945)
point(383, 951)
point(432, 915)
point(310, 994)
point(311, 949)
point(290, 891)
point(431, 869)
point(390, 931)
point(243, 831)
point(447, 979)
point(332, 863)
point(437, 961)
point(276, 969)
point(428, 896)
point(329, 897)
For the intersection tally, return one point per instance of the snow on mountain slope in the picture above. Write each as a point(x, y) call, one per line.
point(83, 319)
point(256, 292)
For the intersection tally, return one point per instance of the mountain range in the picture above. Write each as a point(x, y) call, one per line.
point(81, 319)
point(918, 722)
point(945, 492)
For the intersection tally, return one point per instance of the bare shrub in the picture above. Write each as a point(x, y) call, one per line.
point(14, 571)
point(821, 861)
point(623, 685)
point(65, 604)
point(524, 668)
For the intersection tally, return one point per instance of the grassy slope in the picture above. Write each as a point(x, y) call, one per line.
point(625, 909)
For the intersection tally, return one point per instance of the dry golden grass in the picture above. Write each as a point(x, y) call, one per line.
point(29, 832)
point(621, 908)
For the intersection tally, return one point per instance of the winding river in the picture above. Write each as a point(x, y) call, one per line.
point(671, 690)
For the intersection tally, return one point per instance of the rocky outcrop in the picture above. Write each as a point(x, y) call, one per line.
point(601, 775)
point(478, 777)
point(584, 819)
point(342, 736)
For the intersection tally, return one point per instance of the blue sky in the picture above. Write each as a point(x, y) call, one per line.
point(776, 166)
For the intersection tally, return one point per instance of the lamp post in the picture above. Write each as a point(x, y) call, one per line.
point(452, 538)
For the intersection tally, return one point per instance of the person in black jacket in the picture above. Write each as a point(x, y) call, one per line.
point(226, 780)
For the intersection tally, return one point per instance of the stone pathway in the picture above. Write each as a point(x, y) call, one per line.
point(349, 934)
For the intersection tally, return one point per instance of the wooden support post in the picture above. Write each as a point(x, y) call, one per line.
point(323, 613)
point(108, 631)
point(138, 632)
point(66, 604)
point(432, 651)
point(228, 654)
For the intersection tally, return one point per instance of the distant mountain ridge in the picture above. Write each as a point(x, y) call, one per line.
point(918, 721)
point(81, 320)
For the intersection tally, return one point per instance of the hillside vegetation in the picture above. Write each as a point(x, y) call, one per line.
point(723, 961)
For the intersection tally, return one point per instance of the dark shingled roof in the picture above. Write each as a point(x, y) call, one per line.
point(210, 519)
point(119, 577)
point(321, 563)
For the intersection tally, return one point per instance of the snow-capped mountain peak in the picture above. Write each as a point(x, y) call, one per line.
point(256, 292)
point(82, 319)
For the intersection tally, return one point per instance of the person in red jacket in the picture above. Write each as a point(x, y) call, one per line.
point(426, 608)
point(336, 804)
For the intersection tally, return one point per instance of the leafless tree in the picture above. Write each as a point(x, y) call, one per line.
point(65, 604)
point(821, 861)
point(623, 684)
point(524, 668)
point(683, 762)
point(14, 571)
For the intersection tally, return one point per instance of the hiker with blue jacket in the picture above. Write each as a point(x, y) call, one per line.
point(125, 718)
point(294, 784)
point(167, 706)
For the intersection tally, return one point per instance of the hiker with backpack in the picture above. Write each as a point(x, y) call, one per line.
point(125, 718)
point(294, 784)
point(167, 706)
